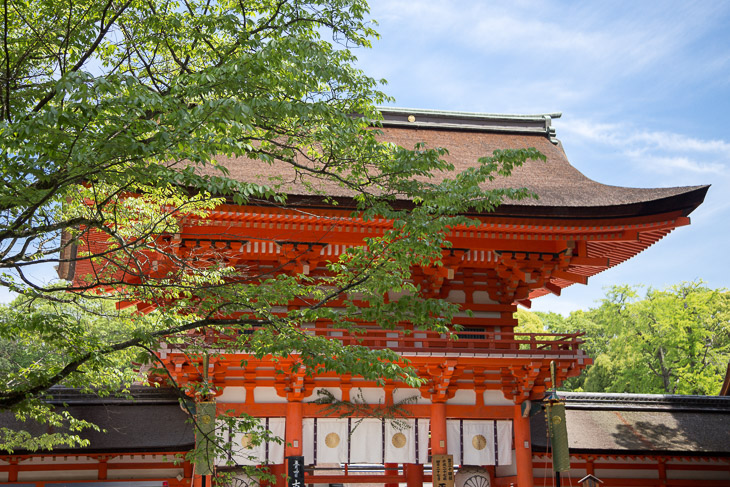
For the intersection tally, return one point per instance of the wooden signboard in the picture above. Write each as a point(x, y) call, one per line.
point(295, 471)
point(443, 470)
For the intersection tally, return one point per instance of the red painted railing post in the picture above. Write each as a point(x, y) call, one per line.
point(414, 474)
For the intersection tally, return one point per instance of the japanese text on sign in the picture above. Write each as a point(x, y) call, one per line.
point(295, 473)
point(443, 470)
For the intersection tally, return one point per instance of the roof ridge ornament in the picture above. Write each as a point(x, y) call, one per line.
point(471, 121)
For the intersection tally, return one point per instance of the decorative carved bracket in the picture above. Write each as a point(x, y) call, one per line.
point(300, 257)
point(293, 385)
point(434, 276)
point(442, 385)
point(518, 382)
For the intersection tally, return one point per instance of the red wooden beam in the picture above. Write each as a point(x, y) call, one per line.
point(570, 276)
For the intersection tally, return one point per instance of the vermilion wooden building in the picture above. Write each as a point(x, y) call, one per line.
point(471, 405)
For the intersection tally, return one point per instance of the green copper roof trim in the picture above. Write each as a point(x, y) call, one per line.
point(473, 115)
point(470, 121)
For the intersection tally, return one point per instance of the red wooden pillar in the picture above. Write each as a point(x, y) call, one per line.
point(523, 448)
point(293, 436)
point(293, 439)
point(390, 468)
point(102, 469)
point(187, 470)
point(662, 466)
point(279, 473)
point(414, 474)
point(13, 471)
point(438, 428)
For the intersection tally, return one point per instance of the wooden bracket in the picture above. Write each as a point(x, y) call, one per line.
point(299, 257)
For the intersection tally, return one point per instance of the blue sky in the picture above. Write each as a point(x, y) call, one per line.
point(644, 88)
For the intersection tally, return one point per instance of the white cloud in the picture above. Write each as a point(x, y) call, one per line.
point(594, 38)
point(674, 163)
point(677, 142)
point(533, 56)
point(656, 151)
point(621, 135)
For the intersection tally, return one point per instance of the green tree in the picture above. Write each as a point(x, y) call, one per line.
point(673, 341)
point(529, 322)
point(102, 100)
point(670, 341)
point(38, 339)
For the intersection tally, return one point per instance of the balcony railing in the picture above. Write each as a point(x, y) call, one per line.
point(471, 341)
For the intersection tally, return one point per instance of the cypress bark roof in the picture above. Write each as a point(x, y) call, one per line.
point(149, 420)
point(619, 424)
point(564, 192)
point(627, 424)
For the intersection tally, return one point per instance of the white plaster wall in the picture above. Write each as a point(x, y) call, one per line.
point(456, 296)
point(267, 395)
point(336, 391)
point(371, 395)
point(232, 394)
point(569, 478)
point(139, 459)
point(159, 473)
point(480, 314)
point(404, 392)
point(636, 461)
point(482, 297)
point(543, 473)
point(496, 398)
point(698, 475)
point(639, 473)
point(464, 397)
point(58, 475)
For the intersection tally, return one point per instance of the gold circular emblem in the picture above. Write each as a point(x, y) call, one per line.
point(398, 440)
point(557, 419)
point(205, 419)
point(479, 442)
point(332, 440)
point(411, 118)
point(247, 440)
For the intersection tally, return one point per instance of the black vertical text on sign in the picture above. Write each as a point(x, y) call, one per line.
point(295, 471)
point(443, 470)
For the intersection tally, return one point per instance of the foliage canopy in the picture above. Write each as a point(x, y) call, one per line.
point(669, 341)
point(102, 100)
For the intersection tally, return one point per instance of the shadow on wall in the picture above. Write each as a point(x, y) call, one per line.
point(665, 431)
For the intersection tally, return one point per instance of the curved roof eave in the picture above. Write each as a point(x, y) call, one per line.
point(682, 202)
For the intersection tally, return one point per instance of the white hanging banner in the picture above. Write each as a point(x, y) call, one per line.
point(244, 452)
point(326, 440)
point(333, 440)
point(424, 439)
point(308, 440)
point(343, 440)
point(406, 441)
point(453, 439)
point(366, 440)
point(479, 442)
point(504, 442)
